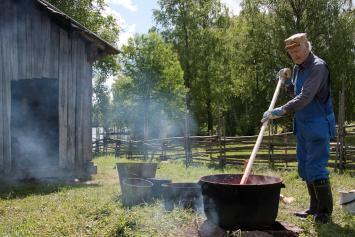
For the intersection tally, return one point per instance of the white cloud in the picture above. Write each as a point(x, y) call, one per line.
point(233, 5)
point(128, 4)
point(127, 32)
point(110, 11)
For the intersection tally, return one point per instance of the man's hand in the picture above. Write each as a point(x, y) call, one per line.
point(273, 114)
point(285, 75)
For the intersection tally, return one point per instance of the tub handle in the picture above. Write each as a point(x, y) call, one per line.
point(283, 185)
point(347, 203)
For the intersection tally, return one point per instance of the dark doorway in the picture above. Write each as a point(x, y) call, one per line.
point(34, 125)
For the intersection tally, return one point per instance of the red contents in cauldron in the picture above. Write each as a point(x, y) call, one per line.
point(235, 179)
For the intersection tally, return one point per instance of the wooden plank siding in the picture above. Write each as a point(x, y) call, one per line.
point(8, 43)
point(71, 106)
point(87, 133)
point(2, 89)
point(79, 58)
point(33, 46)
point(64, 69)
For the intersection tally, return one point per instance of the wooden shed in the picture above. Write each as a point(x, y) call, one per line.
point(46, 62)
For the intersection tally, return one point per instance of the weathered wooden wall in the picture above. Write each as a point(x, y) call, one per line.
point(32, 45)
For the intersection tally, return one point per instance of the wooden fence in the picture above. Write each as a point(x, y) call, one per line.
point(275, 150)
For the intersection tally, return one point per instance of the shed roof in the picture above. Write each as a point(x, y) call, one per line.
point(104, 47)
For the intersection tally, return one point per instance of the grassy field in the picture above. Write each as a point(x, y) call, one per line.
point(94, 209)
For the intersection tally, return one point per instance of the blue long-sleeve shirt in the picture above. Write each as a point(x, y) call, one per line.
point(317, 84)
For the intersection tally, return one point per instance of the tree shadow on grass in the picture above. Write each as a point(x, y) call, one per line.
point(15, 190)
point(333, 229)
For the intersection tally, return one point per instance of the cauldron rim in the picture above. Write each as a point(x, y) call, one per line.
point(179, 185)
point(147, 183)
point(136, 163)
point(271, 180)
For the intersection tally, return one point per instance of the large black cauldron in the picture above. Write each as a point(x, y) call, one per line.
point(232, 206)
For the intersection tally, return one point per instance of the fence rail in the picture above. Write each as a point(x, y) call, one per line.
point(278, 149)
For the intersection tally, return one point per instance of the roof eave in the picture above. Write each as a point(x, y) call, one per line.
point(105, 47)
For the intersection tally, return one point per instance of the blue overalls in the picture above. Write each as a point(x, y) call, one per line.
point(314, 126)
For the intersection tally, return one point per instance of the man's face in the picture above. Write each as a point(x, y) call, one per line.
point(298, 54)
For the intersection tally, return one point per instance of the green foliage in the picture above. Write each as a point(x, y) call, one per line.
point(256, 63)
point(150, 91)
point(198, 30)
point(101, 104)
point(242, 54)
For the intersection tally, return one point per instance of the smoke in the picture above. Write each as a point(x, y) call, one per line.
point(34, 127)
point(210, 209)
point(156, 120)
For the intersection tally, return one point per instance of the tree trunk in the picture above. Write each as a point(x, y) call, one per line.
point(186, 64)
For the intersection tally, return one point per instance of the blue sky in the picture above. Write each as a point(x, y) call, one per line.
point(136, 16)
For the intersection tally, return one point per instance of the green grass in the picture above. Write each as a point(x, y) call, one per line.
point(94, 209)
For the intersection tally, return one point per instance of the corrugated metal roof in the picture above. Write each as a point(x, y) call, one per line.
point(105, 47)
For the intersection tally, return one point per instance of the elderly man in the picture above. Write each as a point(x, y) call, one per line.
point(314, 123)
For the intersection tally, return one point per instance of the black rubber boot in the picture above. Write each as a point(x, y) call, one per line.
point(325, 201)
point(313, 203)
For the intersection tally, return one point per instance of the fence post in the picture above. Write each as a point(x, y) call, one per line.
point(224, 141)
point(270, 147)
point(105, 145)
point(129, 152)
point(341, 133)
point(188, 153)
point(210, 143)
point(145, 149)
point(286, 148)
point(337, 147)
point(117, 148)
point(164, 145)
point(219, 141)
